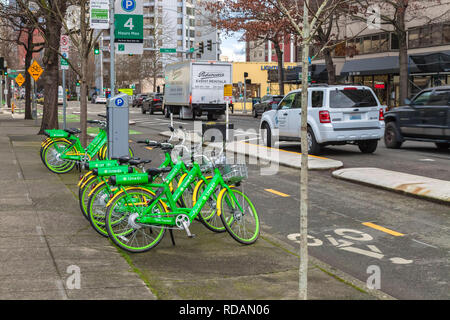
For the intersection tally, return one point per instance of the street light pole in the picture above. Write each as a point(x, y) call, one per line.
point(112, 73)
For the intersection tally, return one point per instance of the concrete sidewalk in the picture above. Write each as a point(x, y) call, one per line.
point(428, 188)
point(266, 154)
point(44, 240)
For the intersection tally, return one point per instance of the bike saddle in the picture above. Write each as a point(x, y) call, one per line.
point(155, 171)
point(135, 162)
point(72, 130)
point(124, 159)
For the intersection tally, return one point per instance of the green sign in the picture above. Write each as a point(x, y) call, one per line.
point(127, 91)
point(129, 28)
point(191, 50)
point(167, 50)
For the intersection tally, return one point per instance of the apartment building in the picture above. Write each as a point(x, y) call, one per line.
point(264, 51)
point(180, 24)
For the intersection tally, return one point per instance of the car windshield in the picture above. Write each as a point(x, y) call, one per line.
point(352, 98)
point(277, 99)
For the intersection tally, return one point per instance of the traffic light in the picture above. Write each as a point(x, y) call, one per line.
point(2, 63)
point(209, 45)
point(201, 47)
point(5, 72)
point(78, 83)
point(96, 48)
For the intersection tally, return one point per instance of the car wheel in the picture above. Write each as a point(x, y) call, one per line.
point(267, 135)
point(442, 145)
point(392, 136)
point(151, 110)
point(143, 110)
point(368, 146)
point(255, 114)
point(313, 147)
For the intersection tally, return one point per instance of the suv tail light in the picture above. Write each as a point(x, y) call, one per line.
point(381, 117)
point(156, 100)
point(324, 117)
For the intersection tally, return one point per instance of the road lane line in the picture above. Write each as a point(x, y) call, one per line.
point(278, 193)
point(380, 228)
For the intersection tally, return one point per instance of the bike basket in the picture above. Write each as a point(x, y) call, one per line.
point(56, 133)
point(233, 173)
point(130, 179)
point(102, 164)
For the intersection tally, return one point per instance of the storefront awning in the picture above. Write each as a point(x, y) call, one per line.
point(432, 62)
point(373, 66)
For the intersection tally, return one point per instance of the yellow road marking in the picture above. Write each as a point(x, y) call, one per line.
point(278, 193)
point(149, 148)
point(258, 145)
point(374, 226)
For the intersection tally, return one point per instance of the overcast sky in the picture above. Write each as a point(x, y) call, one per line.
point(232, 48)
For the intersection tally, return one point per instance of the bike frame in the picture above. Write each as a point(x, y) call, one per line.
point(92, 149)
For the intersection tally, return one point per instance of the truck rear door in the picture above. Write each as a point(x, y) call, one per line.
point(208, 80)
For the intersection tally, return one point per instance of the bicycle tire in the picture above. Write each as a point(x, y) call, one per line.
point(96, 207)
point(234, 219)
point(83, 199)
point(118, 232)
point(59, 166)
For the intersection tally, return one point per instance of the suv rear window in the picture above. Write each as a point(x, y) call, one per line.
point(352, 98)
point(277, 99)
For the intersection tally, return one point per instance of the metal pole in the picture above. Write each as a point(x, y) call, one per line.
point(245, 95)
point(1, 91)
point(226, 121)
point(34, 103)
point(64, 98)
point(112, 73)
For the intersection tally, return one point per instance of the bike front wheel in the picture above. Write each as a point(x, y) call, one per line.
point(238, 215)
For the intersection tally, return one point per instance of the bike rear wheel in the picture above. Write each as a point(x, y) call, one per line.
point(121, 224)
point(208, 214)
point(96, 207)
point(242, 224)
point(52, 157)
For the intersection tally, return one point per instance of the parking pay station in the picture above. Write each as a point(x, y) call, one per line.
point(117, 116)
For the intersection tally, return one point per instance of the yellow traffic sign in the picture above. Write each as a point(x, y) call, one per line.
point(35, 70)
point(20, 79)
point(228, 90)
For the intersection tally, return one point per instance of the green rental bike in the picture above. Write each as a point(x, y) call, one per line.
point(65, 150)
point(137, 217)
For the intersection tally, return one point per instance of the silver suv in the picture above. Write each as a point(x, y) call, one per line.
point(337, 115)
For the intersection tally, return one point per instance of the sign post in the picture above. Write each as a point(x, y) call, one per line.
point(227, 93)
point(65, 48)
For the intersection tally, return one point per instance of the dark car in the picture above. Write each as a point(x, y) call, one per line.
point(268, 102)
point(138, 100)
point(425, 118)
point(153, 103)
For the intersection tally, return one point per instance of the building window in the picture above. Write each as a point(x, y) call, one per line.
point(394, 41)
point(367, 46)
point(436, 34)
point(446, 33)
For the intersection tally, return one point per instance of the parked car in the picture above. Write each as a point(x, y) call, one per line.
point(268, 102)
point(425, 118)
point(98, 99)
point(138, 100)
point(337, 115)
point(153, 103)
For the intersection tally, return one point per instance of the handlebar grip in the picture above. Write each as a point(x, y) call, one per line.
point(171, 129)
point(93, 121)
point(102, 115)
point(142, 141)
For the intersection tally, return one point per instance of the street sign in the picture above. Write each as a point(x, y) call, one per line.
point(20, 79)
point(167, 50)
point(127, 91)
point(64, 62)
point(35, 70)
point(99, 14)
point(228, 90)
point(129, 26)
point(64, 43)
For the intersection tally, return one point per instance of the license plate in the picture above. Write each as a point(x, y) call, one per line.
point(355, 116)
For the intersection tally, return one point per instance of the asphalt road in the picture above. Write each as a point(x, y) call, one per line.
point(396, 243)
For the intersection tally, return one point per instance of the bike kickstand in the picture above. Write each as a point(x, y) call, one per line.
point(172, 237)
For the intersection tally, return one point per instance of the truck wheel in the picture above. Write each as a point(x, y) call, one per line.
point(255, 114)
point(368, 146)
point(211, 117)
point(392, 136)
point(442, 145)
point(166, 112)
point(143, 110)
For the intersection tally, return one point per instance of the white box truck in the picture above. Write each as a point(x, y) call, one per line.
point(195, 88)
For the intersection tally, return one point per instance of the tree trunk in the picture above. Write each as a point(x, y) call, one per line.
point(83, 103)
point(303, 267)
point(330, 66)
point(280, 67)
point(403, 56)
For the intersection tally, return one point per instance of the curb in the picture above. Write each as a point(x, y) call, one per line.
point(411, 185)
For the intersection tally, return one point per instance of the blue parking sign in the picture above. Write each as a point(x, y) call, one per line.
point(128, 5)
point(119, 102)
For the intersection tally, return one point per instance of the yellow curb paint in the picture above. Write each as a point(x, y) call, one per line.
point(380, 228)
point(278, 193)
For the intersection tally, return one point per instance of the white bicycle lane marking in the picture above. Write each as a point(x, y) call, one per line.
point(346, 245)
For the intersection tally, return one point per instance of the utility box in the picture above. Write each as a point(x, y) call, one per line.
point(117, 117)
